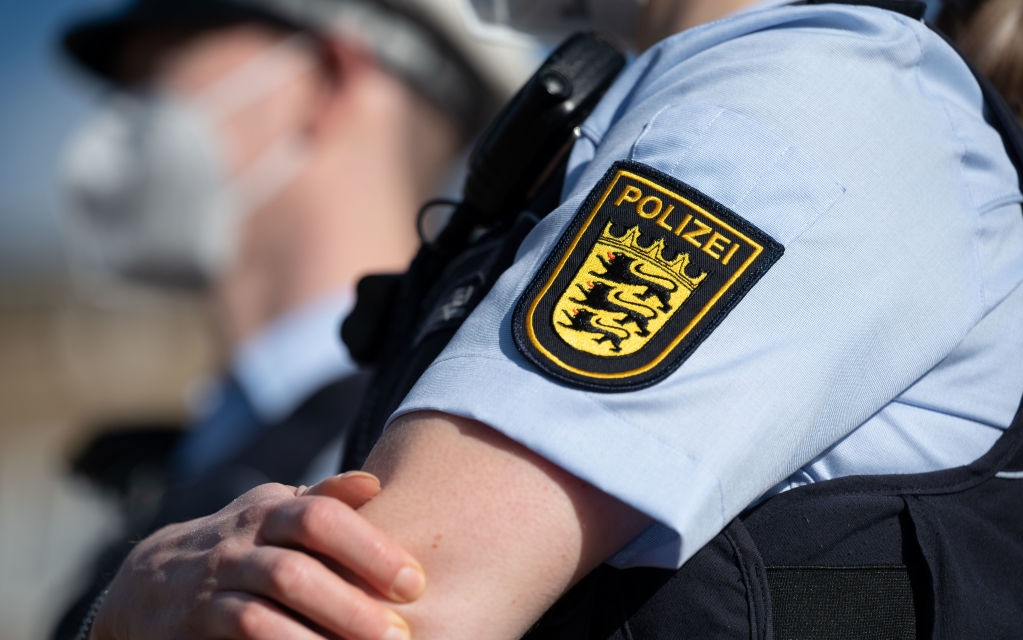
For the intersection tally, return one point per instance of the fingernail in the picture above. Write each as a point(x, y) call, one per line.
point(409, 584)
point(398, 630)
point(359, 474)
point(301, 491)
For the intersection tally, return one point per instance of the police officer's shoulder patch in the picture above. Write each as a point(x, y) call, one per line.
point(645, 271)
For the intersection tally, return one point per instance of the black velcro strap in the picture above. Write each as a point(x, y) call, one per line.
point(842, 603)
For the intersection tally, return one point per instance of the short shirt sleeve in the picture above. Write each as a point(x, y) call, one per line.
point(787, 357)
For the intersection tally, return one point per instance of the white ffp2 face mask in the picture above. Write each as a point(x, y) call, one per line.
point(555, 19)
point(147, 186)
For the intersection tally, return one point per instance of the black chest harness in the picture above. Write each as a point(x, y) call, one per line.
point(933, 555)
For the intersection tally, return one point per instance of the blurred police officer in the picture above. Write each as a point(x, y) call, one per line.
point(269, 153)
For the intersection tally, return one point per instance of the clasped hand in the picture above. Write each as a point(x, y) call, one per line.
point(278, 562)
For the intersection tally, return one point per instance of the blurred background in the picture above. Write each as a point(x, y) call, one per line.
point(71, 360)
point(211, 159)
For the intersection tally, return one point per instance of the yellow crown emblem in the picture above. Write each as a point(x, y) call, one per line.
point(629, 243)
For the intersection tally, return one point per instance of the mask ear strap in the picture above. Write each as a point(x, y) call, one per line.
point(272, 68)
point(269, 174)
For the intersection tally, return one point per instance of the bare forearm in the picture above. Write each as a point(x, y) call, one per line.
point(500, 531)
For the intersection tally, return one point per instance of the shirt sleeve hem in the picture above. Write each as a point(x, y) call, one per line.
point(680, 495)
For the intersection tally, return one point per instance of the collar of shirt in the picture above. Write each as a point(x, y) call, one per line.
point(293, 357)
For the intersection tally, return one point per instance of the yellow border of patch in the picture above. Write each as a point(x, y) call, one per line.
point(757, 250)
point(689, 325)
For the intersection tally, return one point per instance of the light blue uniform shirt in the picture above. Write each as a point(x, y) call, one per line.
point(886, 339)
point(272, 374)
point(295, 356)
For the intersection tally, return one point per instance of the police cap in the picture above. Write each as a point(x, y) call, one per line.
point(422, 41)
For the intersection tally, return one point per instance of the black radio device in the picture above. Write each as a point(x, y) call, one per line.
point(514, 177)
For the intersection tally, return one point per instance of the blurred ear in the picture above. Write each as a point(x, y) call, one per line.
point(342, 65)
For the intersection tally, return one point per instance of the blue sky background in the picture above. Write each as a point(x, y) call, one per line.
point(42, 98)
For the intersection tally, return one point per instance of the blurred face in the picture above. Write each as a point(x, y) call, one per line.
point(164, 179)
point(208, 69)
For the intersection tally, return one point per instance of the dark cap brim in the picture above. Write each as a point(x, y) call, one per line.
point(95, 42)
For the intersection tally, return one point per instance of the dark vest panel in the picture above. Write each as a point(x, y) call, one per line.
point(900, 557)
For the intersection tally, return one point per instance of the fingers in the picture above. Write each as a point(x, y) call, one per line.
point(327, 527)
point(304, 585)
point(224, 576)
point(243, 616)
point(354, 488)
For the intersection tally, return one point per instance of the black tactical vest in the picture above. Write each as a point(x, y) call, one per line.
point(933, 555)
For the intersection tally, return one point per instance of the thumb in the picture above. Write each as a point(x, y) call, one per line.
point(354, 488)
